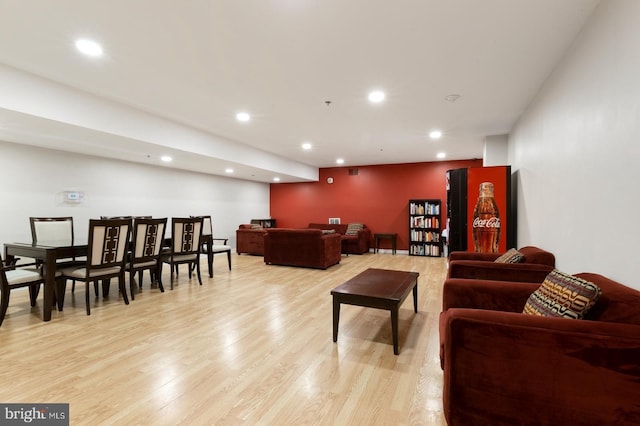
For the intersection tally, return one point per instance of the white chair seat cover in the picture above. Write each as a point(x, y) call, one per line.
point(19, 276)
point(141, 264)
point(182, 257)
point(82, 272)
point(220, 248)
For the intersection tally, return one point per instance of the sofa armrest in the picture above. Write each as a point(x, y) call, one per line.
point(509, 368)
point(365, 235)
point(480, 270)
point(492, 295)
point(470, 255)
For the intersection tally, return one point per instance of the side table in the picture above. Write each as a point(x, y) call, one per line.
point(378, 237)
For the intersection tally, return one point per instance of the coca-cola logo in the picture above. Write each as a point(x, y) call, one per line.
point(492, 222)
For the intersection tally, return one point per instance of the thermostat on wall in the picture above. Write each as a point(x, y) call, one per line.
point(73, 197)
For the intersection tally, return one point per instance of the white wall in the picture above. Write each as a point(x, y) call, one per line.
point(496, 151)
point(34, 178)
point(576, 150)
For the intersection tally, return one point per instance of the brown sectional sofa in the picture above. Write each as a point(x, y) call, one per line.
point(309, 248)
point(250, 240)
point(502, 367)
point(351, 244)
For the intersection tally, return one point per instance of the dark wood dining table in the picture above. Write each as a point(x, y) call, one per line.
point(48, 253)
point(51, 251)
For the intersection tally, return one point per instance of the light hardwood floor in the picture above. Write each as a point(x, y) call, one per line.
point(251, 346)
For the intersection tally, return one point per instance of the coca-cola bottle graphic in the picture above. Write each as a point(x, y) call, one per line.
point(486, 221)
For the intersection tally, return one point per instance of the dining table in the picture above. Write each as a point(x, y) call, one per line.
point(48, 253)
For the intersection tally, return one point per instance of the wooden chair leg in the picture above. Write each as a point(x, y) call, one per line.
point(172, 277)
point(198, 272)
point(123, 288)
point(229, 258)
point(159, 276)
point(34, 289)
point(95, 283)
point(61, 288)
point(132, 284)
point(4, 305)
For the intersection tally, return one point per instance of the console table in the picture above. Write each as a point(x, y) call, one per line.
point(378, 237)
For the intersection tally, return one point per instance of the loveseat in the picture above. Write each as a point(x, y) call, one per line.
point(535, 265)
point(309, 248)
point(351, 244)
point(502, 367)
point(250, 239)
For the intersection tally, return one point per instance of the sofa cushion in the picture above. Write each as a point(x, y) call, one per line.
point(354, 228)
point(562, 295)
point(511, 256)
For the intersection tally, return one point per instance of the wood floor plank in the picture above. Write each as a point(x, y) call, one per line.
point(250, 346)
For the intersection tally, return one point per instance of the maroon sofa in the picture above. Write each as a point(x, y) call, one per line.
point(250, 240)
point(351, 244)
point(301, 247)
point(502, 367)
point(534, 267)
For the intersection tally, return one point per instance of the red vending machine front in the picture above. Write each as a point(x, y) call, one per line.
point(488, 203)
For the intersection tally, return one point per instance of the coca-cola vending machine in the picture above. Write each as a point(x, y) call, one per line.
point(480, 214)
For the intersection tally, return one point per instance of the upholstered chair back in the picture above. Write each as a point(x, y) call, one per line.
point(52, 229)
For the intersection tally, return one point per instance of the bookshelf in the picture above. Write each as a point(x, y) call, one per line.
point(424, 228)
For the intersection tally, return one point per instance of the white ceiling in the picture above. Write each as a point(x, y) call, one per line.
point(195, 63)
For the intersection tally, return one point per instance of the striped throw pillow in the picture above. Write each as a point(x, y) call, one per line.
point(562, 295)
point(511, 256)
point(354, 228)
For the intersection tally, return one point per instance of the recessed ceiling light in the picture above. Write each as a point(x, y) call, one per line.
point(276, 179)
point(435, 134)
point(89, 47)
point(340, 161)
point(166, 158)
point(441, 155)
point(229, 170)
point(243, 116)
point(452, 98)
point(376, 96)
point(306, 146)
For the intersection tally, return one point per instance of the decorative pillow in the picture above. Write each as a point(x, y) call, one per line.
point(256, 226)
point(328, 231)
point(511, 256)
point(562, 295)
point(353, 228)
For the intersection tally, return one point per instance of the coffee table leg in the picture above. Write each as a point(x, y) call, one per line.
point(415, 297)
point(336, 317)
point(394, 328)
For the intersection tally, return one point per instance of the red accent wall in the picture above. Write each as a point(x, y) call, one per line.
point(377, 196)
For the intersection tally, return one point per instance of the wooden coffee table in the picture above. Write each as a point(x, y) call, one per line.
point(376, 288)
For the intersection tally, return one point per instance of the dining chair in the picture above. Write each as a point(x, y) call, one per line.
point(186, 234)
point(12, 278)
point(212, 246)
point(146, 243)
point(56, 231)
point(106, 256)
